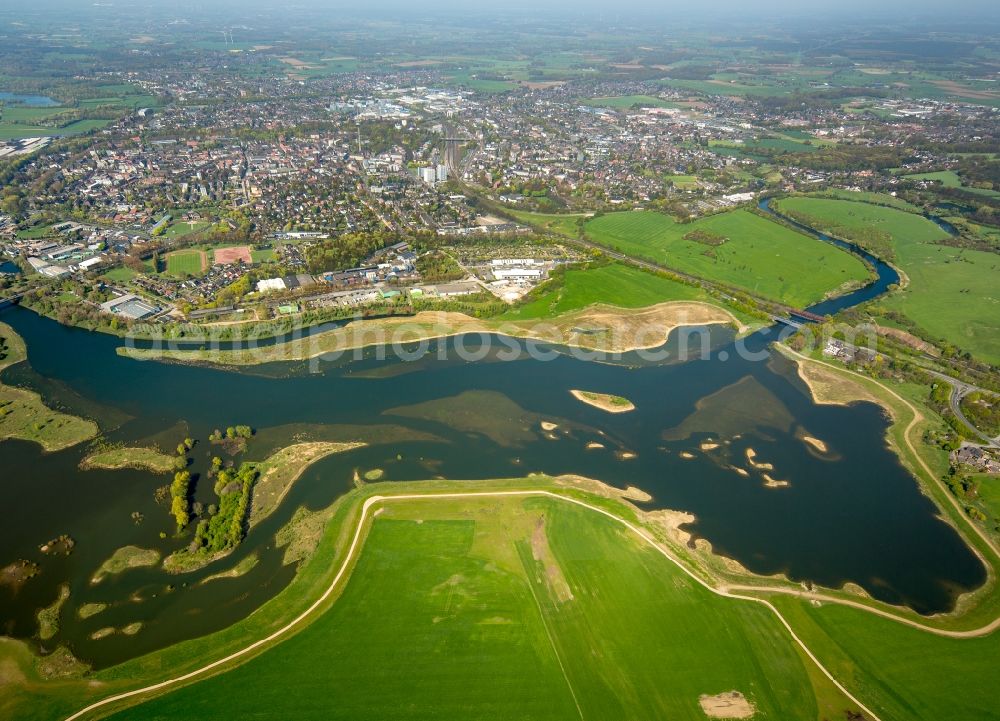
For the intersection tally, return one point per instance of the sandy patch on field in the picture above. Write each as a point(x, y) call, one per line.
point(636, 494)
point(631, 493)
point(224, 256)
point(542, 553)
point(726, 705)
point(831, 388)
point(671, 521)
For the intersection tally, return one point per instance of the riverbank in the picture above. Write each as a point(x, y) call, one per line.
point(322, 579)
point(23, 414)
point(596, 328)
point(829, 383)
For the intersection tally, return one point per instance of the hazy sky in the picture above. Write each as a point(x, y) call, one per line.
point(902, 9)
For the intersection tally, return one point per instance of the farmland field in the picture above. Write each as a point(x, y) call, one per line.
point(951, 179)
point(186, 262)
point(614, 284)
point(942, 278)
point(906, 673)
point(628, 101)
point(527, 608)
point(742, 249)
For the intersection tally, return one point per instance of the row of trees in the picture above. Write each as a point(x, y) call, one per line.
point(226, 528)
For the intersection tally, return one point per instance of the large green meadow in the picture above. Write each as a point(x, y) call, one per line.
point(952, 293)
point(614, 284)
point(900, 672)
point(513, 608)
point(738, 248)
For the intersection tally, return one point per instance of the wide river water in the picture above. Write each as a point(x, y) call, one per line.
point(852, 514)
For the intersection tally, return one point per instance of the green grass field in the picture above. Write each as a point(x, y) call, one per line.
point(951, 179)
point(120, 275)
point(182, 228)
point(757, 254)
point(614, 284)
point(569, 224)
point(185, 262)
point(629, 101)
point(684, 182)
point(14, 131)
point(262, 256)
point(953, 294)
point(510, 608)
point(874, 198)
point(902, 672)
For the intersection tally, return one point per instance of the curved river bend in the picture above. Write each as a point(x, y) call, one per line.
point(852, 514)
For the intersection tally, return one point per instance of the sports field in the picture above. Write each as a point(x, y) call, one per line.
point(513, 608)
point(614, 284)
point(233, 254)
point(942, 278)
point(738, 248)
point(186, 262)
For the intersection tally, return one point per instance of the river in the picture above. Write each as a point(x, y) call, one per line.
point(853, 514)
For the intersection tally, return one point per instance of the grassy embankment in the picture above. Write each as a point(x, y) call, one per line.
point(616, 304)
point(737, 248)
point(517, 605)
point(24, 416)
point(595, 588)
point(830, 382)
point(942, 279)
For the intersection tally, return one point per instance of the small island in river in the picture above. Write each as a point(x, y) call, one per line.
point(604, 401)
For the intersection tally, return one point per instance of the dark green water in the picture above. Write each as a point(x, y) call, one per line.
point(855, 515)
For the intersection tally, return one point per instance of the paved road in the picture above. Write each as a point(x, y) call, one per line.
point(960, 389)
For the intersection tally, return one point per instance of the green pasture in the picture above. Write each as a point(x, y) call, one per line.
point(497, 609)
point(900, 672)
point(755, 254)
point(952, 292)
point(615, 284)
